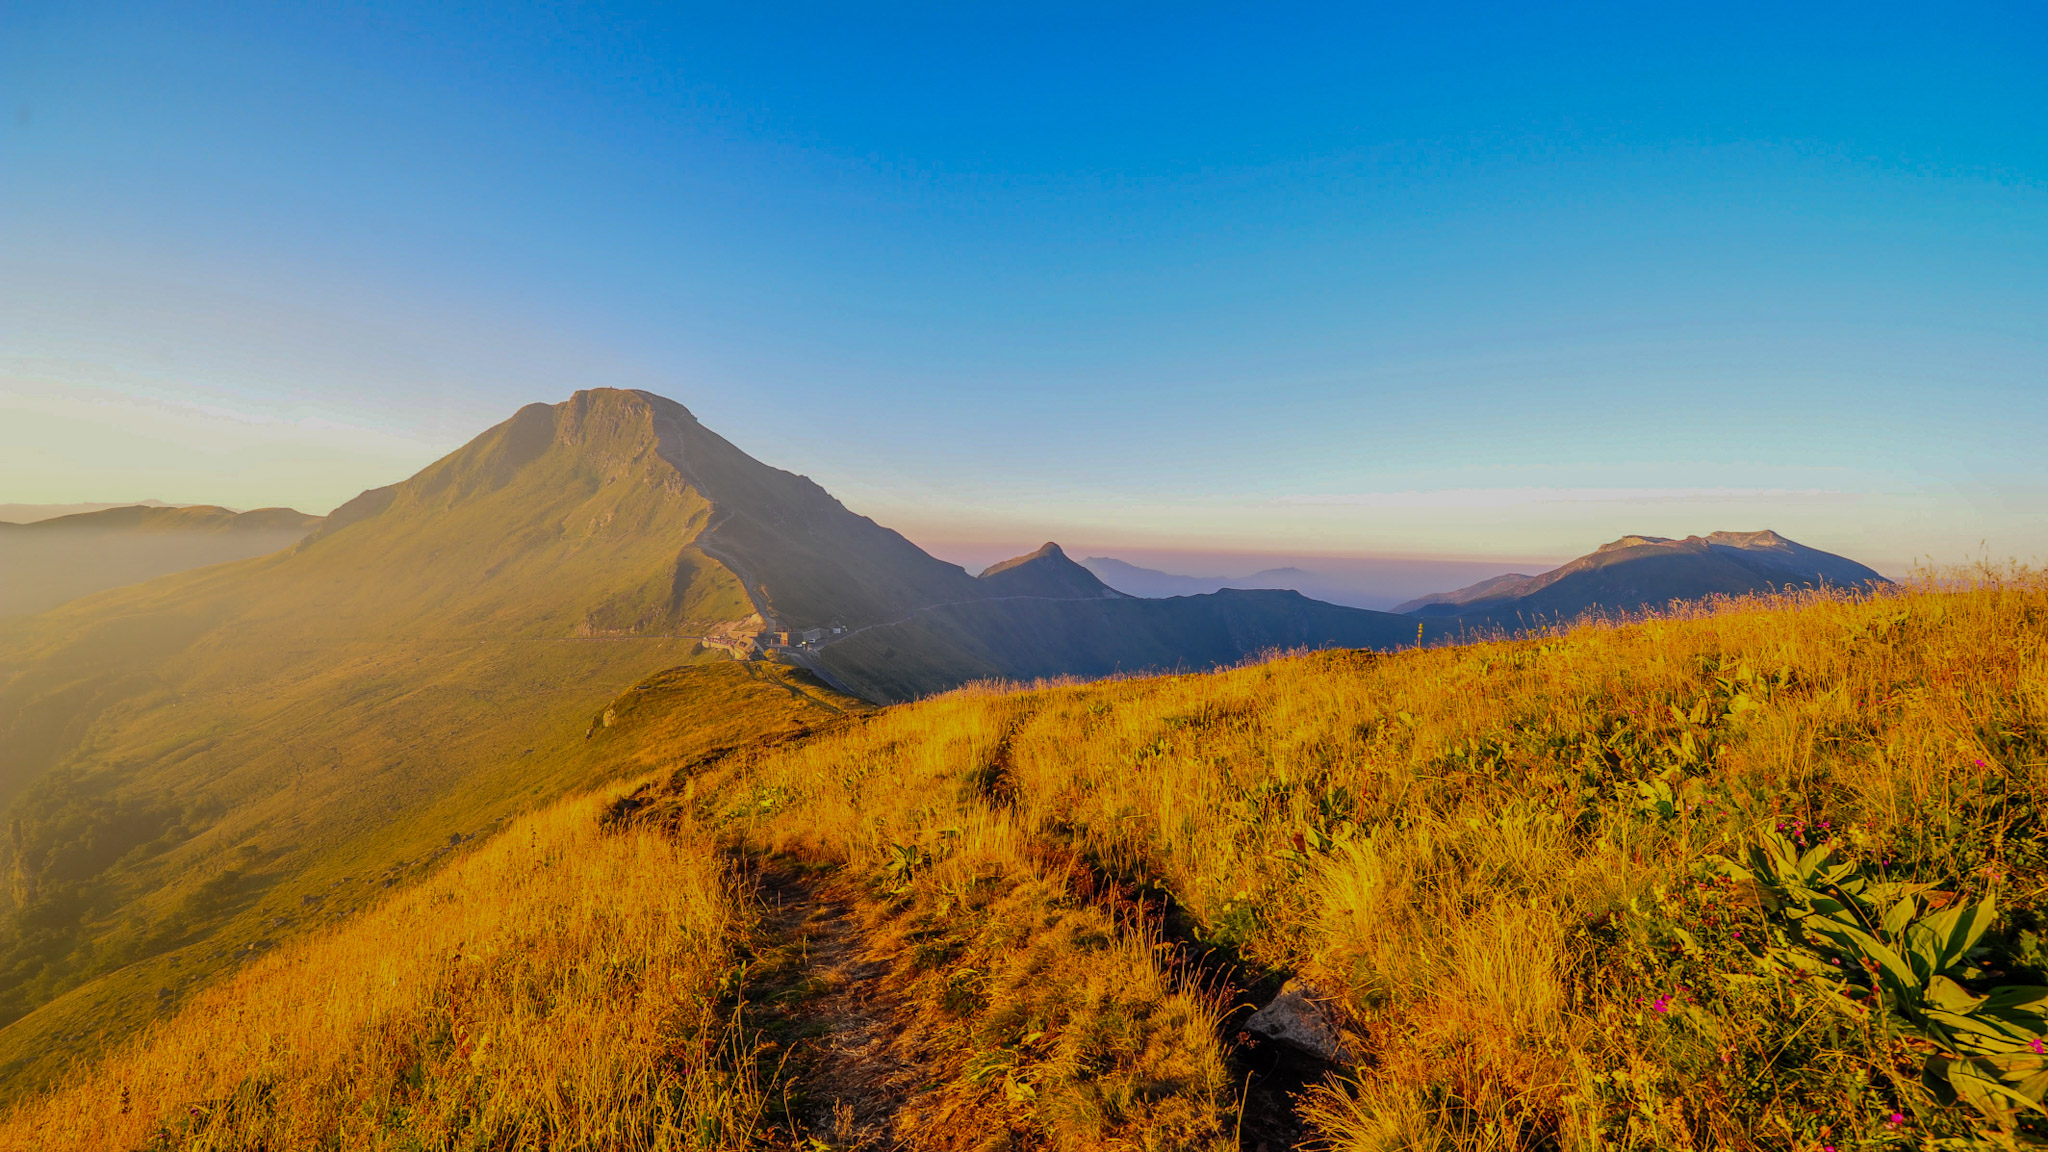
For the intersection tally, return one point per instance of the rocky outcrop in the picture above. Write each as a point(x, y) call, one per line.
point(1305, 1021)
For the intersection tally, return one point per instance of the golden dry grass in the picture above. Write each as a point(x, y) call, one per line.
point(1494, 858)
point(1463, 844)
point(558, 988)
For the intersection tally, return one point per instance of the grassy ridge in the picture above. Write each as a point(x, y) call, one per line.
point(1500, 864)
point(1496, 859)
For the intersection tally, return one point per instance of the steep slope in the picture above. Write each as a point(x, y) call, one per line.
point(806, 559)
point(559, 956)
point(49, 561)
point(187, 756)
point(1637, 572)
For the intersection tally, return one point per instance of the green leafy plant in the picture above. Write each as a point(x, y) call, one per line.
point(1909, 958)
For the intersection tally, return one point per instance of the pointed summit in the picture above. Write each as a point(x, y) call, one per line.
point(1046, 572)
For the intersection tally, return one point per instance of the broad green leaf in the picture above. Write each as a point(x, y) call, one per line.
point(1901, 914)
point(2018, 998)
point(1810, 863)
point(2033, 1087)
point(1985, 1030)
point(1952, 932)
point(1985, 1094)
point(1898, 975)
point(1950, 996)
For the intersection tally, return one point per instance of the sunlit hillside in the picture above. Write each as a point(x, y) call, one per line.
point(1770, 876)
point(202, 766)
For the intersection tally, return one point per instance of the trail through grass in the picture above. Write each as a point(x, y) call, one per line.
point(1036, 917)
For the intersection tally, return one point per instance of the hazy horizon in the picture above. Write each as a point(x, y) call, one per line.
point(1472, 282)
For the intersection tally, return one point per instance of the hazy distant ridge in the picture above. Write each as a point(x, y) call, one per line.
point(1637, 572)
point(48, 561)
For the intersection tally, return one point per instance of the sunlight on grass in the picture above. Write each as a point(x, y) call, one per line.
point(560, 988)
point(1512, 868)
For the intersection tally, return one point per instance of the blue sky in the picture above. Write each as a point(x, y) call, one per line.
point(1436, 280)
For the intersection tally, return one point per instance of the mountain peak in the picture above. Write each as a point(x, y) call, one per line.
point(1763, 539)
point(1632, 542)
point(1047, 551)
point(1048, 572)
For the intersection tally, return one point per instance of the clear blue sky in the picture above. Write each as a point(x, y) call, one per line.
point(1421, 280)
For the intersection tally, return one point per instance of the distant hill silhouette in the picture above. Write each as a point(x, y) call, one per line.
point(1046, 572)
point(30, 513)
point(47, 561)
point(1136, 581)
point(1637, 572)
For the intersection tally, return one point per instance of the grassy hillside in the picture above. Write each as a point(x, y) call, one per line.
point(1753, 879)
point(163, 922)
point(200, 765)
point(560, 987)
point(193, 765)
point(1525, 874)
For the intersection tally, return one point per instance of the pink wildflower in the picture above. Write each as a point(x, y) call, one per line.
point(1895, 1119)
point(2036, 1049)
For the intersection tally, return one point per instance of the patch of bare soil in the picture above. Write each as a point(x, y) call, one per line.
point(859, 1070)
point(821, 995)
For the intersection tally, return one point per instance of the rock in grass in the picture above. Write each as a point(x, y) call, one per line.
point(1303, 1020)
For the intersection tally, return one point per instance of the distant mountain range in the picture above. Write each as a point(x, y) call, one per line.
point(30, 513)
point(47, 561)
point(1136, 581)
point(1356, 582)
point(1639, 572)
